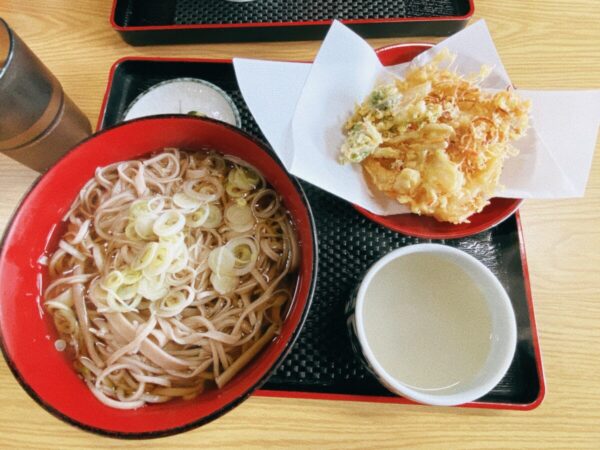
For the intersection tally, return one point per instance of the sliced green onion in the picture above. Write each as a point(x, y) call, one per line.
point(224, 284)
point(144, 224)
point(221, 261)
point(156, 204)
point(245, 252)
point(112, 281)
point(186, 202)
point(203, 190)
point(215, 217)
point(161, 261)
point(130, 232)
point(243, 178)
point(139, 207)
point(180, 261)
point(239, 217)
point(127, 292)
point(131, 276)
point(174, 302)
point(152, 288)
point(146, 256)
point(198, 217)
point(168, 224)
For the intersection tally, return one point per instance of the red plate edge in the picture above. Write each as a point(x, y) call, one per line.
point(117, 27)
point(366, 398)
point(421, 226)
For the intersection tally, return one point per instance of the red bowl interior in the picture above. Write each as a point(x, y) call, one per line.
point(428, 227)
point(27, 332)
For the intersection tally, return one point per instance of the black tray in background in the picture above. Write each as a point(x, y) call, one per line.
point(142, 22)
point(322, 363)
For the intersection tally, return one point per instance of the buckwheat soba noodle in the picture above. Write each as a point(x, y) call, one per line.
point(173, 273)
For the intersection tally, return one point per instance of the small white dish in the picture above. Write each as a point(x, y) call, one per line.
point(433, 324)
point(185, 96)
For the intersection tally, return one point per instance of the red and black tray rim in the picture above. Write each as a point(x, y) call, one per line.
point(367, 398)
point(292, 30)
point(117, 27)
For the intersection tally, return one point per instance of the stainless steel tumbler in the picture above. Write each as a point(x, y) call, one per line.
point(38, 122)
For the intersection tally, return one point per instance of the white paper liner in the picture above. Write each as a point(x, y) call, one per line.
point(301, 109)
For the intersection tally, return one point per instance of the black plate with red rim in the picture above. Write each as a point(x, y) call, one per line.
point(144, 22)
point(322, 364)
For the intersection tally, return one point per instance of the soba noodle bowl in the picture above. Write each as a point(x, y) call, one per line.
point(173, 273)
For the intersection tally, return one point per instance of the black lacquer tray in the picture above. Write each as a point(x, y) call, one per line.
point(322, 364)
point(143, 22)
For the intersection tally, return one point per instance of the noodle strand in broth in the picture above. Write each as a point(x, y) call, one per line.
point(174, 272)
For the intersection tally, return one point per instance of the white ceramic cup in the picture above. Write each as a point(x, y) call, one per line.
point(502, 339)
